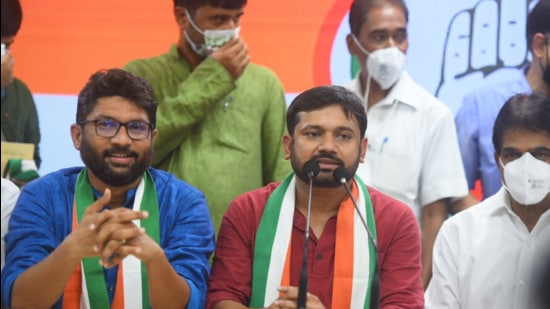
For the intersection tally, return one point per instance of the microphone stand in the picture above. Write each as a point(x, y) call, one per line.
point(341, 175)
point(302, 289)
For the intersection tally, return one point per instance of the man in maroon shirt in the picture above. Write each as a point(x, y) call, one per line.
point(261, 241)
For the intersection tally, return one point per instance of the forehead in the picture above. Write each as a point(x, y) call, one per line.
point(525, 140)
point(386, 16)
point(328, 117)
point(118, 108)
point(209, 10)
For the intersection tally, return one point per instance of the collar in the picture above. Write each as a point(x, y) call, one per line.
point(399, 93)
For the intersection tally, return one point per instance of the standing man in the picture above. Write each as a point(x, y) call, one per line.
point(491, 256)
point(116, 232)
point(19, 116)
point(221, 119)
point(261, 241)
point(413, 149)
point(476, 116)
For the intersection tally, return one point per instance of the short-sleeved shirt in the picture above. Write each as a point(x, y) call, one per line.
point(413, 153)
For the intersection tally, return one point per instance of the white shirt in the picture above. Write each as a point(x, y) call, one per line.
point(413, 153)
point(484, 257)
point(10, 192)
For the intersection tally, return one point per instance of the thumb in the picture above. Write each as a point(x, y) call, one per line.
point(100, 203)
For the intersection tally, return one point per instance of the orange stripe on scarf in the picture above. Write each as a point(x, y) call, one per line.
point(343, 258)
point(343, 261)
point(118, 300)
point(73, 290)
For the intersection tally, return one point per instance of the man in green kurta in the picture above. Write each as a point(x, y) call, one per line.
point(19, 115)
point(220, 118)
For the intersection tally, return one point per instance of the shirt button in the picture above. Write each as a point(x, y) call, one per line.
point(319, 256)
point(110, 288)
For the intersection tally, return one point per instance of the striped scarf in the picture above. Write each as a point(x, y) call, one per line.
point(86, 288)
point(353, 268)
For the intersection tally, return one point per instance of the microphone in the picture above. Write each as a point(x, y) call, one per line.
point(341, 175)
point(311, 169)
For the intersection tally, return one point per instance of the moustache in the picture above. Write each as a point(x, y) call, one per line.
point(118, 151)
point(329, 156)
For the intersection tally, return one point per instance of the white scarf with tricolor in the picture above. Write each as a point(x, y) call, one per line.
point(353, 267)
point(86, 288)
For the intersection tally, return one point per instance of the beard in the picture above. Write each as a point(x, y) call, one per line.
point(325, 178)
point(114, 174)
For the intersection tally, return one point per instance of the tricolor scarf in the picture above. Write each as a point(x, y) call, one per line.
point(86, 288)
point(353, 268)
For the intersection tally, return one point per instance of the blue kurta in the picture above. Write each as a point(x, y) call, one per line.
point(43, 214)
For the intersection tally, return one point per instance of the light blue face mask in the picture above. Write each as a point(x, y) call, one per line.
point(213, 39)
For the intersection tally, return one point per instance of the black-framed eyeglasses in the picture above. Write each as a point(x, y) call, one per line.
point(136, 129)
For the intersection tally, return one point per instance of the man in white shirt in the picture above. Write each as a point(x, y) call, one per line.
point(413, 152)
point(490, 256)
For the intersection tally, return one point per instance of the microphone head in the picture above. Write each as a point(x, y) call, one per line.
point(341, 174)
point(311, 169)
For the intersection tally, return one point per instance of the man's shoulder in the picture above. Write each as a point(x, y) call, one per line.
point(387, 205)
point(409, 91)
point(260, 73)
point(496, 93)
point(167, 181)
point(20, 87)
point(151, 65)
point(256, 195)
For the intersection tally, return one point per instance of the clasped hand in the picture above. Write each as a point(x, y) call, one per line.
point(111, 234)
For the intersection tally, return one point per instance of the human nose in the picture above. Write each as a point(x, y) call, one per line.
point(328, 144)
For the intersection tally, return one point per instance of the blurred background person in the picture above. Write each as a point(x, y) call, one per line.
point(220, 118)
point(476, 117)
point(19, 116)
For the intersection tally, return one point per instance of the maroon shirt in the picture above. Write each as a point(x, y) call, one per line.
point(398, 243)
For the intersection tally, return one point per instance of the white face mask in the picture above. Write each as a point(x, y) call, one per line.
point(527, 179)
point(213, 39)
point(384, 65)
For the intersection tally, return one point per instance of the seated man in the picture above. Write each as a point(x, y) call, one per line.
point(489, 256)
point(116, 231)
point(258, 253)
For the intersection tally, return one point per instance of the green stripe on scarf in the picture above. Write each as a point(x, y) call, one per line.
point(372, 226)
point(266, 235)
point(95, 279)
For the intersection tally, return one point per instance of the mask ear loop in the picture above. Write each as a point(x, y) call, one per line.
point(367, 86)
point(192, 22)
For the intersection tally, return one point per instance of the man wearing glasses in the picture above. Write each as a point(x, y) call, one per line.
point(116, 233)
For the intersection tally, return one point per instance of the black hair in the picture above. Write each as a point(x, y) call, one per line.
point(538, 21)
point(12, 15)
point(360, 9)
point(116, 82)
point(193, 5)
point(323, 96)
point(522, 112)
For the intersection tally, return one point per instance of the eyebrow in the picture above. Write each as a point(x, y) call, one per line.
point(318, 127)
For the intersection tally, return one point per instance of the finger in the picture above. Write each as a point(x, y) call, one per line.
point(484, 35)
point(512, 47)
point(123, 215)
point(457, 45)
point(100, 203)
point(117, 232)
point(285, 304)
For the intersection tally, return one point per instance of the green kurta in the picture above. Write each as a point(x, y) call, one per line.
point(19, 117)
point(220, 135)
